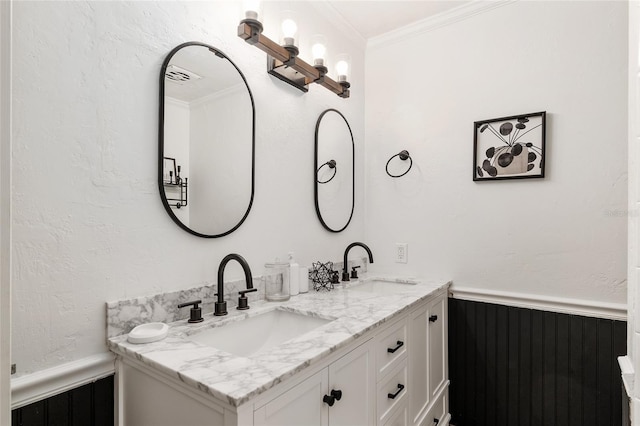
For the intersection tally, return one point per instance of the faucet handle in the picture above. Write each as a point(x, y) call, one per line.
point(243, 302)
point(354, 273)
point(196, 311)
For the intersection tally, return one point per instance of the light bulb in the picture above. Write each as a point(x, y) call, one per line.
point(318, 50)
point(342, 68)
point(289, 29)
point(251, 9)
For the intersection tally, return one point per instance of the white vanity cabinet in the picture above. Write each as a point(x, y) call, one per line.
point(427, 361)
point(395, 374)
point(341, 394)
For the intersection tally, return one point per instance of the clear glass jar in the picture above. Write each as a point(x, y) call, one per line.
point(276, 281)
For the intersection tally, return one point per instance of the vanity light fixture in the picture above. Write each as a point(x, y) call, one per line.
point(283, 61)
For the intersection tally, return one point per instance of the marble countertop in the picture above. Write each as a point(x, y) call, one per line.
point(235, 379)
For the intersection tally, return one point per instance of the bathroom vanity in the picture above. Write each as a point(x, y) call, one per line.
point(374, 353)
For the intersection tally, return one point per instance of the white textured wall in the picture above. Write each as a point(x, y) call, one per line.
point(633, 328)
point(564, 235)
point(5, 211)
point(88, 224)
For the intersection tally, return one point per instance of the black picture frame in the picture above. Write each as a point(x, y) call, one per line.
point(509, 147)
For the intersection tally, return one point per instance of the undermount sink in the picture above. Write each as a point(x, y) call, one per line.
point(382, 287)
point(258, 333)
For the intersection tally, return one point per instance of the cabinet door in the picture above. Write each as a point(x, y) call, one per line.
point(418, 363)
point(427, 355)
point(299, 406)
point(354, 375)
point(149, 401)
point(437, 345)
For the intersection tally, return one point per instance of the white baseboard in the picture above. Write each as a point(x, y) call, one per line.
point(614, 311)
point(52, 381)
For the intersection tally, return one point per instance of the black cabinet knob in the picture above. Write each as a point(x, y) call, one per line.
point(436, 421)
point(433, 318)
point(329, 400)
point(337, 394)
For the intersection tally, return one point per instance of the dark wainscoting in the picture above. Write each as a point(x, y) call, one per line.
point(91, 404)
point(524, 367)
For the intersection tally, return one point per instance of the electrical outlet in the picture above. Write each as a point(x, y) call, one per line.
point(402, 252)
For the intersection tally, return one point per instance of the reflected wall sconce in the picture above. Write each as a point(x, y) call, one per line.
point(283, 62)
point(403, 155)
point(332, 165)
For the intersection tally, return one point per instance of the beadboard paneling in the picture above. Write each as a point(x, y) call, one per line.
point(517, 366)
point(88, 405)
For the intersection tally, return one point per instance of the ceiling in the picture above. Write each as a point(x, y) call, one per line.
point(372, 18)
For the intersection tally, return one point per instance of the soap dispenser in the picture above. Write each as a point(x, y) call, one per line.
point(294, 275)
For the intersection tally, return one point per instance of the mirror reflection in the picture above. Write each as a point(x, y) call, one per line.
point(206, 163)
point(334, 171)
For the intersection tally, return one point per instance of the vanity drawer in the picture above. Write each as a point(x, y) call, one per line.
point(399, 417)
point(438, 412)
point(392, 392)
point(391, 347)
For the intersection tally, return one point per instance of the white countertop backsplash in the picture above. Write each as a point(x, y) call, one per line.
point(235, 379)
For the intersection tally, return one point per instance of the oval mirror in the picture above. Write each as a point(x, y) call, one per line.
point(207, 141)
point(334, 171)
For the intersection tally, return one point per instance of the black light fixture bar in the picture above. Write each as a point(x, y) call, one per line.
point(285, 65)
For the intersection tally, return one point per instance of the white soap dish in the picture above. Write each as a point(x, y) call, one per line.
point(147, 333)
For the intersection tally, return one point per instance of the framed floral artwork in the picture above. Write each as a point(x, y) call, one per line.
point(509, 147)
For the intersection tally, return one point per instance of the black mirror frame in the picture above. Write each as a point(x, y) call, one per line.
point(315, 173)
point(166, 204)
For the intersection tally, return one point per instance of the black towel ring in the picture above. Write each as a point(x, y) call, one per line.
point(404, 155)
point(332, 165)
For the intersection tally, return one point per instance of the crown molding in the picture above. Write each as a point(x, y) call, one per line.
point(440, 20)
point(176, 102)
point(332, 14)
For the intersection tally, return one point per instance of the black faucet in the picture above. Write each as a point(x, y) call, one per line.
point(345, 269)
point(221, 305)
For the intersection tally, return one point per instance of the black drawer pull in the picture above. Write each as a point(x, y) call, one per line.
point(400, 344)
point(436, 421)
point(433, 318)
point(393, 395)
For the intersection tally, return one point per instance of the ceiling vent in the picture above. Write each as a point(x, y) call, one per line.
point(180, 75)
